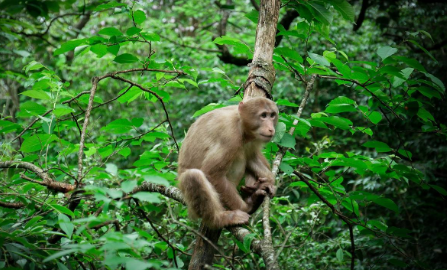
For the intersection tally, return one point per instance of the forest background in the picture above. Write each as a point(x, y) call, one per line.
point(96, 97)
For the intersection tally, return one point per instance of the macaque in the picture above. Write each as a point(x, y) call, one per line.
point(220, 148)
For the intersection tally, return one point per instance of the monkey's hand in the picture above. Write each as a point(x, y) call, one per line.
point(255, 200)
point(247, 190)
point(267, 185)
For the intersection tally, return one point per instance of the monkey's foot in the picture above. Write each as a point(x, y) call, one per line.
point(236, 217)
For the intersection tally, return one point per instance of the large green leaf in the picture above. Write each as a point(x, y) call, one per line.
point(125, 58)
point(139, 16)
point(379, 146)
point(319, 59)
point(289, 53)
point(387, 203)
point(110, 31)
point(118, 126)
point(345, 9)
point(385, 52)
point(38, 94)
point(337, 121)
point(320, 12)
point(69, 46)
point(37, 142)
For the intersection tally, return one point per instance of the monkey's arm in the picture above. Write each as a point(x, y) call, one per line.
point(259, 174)
point(215, 166)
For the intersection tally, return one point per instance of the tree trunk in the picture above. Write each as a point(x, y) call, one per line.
point(259, 83)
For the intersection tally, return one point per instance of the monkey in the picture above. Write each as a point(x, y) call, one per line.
point(219, 149)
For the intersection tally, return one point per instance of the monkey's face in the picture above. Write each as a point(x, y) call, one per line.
point(259, 118)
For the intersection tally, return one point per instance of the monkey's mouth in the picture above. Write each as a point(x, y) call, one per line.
point(269, 137)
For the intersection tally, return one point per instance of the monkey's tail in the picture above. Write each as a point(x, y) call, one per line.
point(201, 197)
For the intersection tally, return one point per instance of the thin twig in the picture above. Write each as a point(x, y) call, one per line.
point(157, 231)
point(335, 211)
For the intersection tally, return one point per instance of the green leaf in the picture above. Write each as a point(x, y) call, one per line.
point(152, 136)
point(247, 240)
point(61, 110)
point(342, 68)
point(379, 146)
point(425, 115)
point(63, 210)
point(405, 153)
point(280, 130)
point(114, 49)
point(284, 102)
point(133, 31)
point(147, 197)
point(288, 141)
point(320, 12)
point(37, 142)
point(125, 152)
point(139, 16)
point(286, 168)
point(151, 36)
point(339, 255)
point(423, 49)
point(386, 203)
point(110, 31)
point(289, 53)
point(66, 225)
point(341, 104)
point(439, 189)
point(385, 52)
point(99, 49)
point(429, 92)
point(232, 41)
point(436, 81)
point(61, 266)
point(69, 46)
point(33, 65)
point(38, 94)
point(109, 6)
point(60, 254)
point(410, 62)
point(118, 126)
point(125, 58)
point(345, 9)
point(128, 186)
point(337, 121)
point(319, 59)
point(375, 117)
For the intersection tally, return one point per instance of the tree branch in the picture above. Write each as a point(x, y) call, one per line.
point(47, 181)
point(335, 211)
point(361, 16)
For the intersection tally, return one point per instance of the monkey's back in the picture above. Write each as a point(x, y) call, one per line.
point(207, 135)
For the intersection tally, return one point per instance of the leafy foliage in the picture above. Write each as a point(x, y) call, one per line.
point(371, 142)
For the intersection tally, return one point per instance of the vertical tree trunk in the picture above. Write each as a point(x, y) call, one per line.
point(259, 83)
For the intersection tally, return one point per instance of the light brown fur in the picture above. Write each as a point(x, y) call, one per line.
point(220, 148)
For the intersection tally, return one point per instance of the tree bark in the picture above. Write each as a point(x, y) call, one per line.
point(262, 74)
point(259, 83)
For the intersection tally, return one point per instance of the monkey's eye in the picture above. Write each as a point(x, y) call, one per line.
point(264, 115)
point(273, 115)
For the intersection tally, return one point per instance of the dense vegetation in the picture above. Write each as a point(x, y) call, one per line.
point(365, 167)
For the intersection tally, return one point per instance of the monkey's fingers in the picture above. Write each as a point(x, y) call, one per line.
point(270, 190)
point(263, 179)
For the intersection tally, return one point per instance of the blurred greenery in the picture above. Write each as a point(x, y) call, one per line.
point(371, 139)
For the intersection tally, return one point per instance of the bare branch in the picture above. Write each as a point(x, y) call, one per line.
point(47, 181)
point(12, 205)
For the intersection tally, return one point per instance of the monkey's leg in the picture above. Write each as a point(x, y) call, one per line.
point(203, 201)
